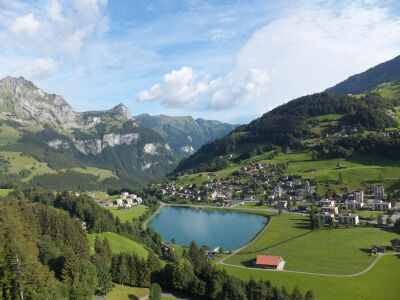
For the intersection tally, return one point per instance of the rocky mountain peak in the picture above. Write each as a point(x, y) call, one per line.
point(121, 112)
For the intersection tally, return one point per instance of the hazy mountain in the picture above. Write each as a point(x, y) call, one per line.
point(185, 135)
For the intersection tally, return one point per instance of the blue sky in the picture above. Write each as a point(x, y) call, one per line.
point(225, 60)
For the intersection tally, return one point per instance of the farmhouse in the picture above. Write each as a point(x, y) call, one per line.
point(396, 245)
point(378, 249)
point(270, 262)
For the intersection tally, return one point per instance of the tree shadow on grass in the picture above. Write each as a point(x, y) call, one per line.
point(366, 250)
point(132, 297)
point(249, 263)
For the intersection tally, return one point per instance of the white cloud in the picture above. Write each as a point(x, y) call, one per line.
point(39, 68)
point(25, 26)
point(314, 46)
point(184, 88)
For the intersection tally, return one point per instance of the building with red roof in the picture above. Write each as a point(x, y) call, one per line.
point(270, 262)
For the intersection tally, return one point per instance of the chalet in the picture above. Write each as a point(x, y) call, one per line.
point(270, 262)
point(167, 247)
point(378, 249)
point(396, 245)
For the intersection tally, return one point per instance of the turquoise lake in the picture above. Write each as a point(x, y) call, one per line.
point(227, 229)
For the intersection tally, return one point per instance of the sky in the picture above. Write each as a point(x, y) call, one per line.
point(223, 60)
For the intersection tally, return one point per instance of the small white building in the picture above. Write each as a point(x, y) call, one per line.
point(248, 198)
point(349, 219)
point(326, 202)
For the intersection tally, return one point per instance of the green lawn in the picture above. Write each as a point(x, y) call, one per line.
point(282, 227)
point(128, 214)
point(8, 135)
point(4, 192)
point(20, 162)
point(381, 282)
point(124, 292)
point(101, 173)
point(120, 244)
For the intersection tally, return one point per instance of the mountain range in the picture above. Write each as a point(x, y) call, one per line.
point(44, 142)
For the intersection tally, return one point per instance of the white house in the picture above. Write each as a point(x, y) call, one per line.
point(353, 204)
point(380, 205)
point(349, 219)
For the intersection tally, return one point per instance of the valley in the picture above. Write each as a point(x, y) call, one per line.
point(301, 203)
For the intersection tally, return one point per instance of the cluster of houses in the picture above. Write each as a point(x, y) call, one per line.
point(124, 201)
point(354, 201)
point(248, 184)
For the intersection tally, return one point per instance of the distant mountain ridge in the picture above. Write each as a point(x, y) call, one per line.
point(185, 134)
point(366, 81)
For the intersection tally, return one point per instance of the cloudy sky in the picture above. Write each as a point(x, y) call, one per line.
point(223, 59)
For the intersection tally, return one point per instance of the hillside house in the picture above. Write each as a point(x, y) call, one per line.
point(270, 262)
point(326, 202)
point(359, 196)
point(378, 249)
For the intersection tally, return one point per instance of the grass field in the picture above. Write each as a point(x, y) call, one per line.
point(381, 282)
point(8, 135)
point(20, 162)
point(101, 173)
point(128, 214)
point(120, 244)
point(124, 292)
point(4, 192)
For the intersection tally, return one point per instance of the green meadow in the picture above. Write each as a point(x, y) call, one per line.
point(120, 244)
point(4, 192)
point(381, 282)
point(125, 292)
point(128, 214)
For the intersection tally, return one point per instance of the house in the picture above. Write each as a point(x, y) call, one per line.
point(379, 192)
point(380, 205)
point(353, 204)
point(248, 198)
point(167, 247)
point(311, 170)
point(359, 196)
point(119, 201)
point(327, 202)
point(270, 262)
point(330, 209)
point(378, 249)
point(325, 216)
point(282, 204)
point(349, 219)
point(396, 245)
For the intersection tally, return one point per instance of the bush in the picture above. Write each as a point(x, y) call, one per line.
point(155, 291)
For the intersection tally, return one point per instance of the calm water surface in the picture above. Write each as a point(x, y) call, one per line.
point(227, 229)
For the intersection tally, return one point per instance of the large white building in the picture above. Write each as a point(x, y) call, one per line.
point(380, 205)
point(349, 219)
point(379, 192)
point(325, 216)
point(359, 196)
point(353, 204)
point(330, 209)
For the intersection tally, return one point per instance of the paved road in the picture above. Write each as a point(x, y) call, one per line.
point(162, 204)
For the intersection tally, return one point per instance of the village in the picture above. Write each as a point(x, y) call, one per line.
point(265, 184)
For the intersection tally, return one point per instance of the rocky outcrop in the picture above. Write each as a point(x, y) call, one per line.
point(96, 146)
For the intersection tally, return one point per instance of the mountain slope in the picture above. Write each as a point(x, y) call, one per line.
point(366, 81)
point(185, 134)
point(52, 136)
